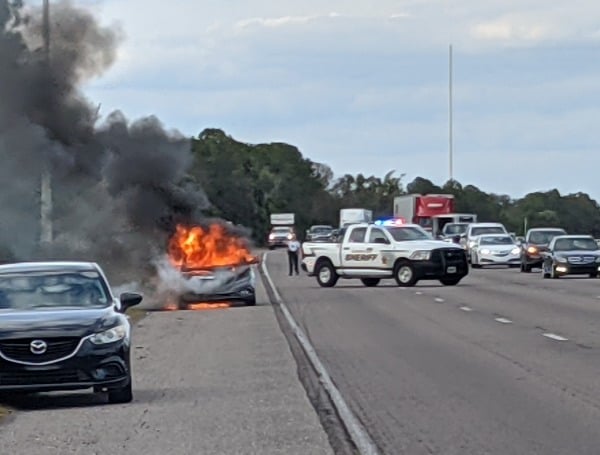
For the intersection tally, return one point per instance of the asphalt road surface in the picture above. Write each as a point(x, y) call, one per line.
point(504, 363)
point(205, 382)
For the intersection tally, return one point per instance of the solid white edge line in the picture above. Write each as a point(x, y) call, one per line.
point(503, 320)
point(554, 336)
point(357, 432)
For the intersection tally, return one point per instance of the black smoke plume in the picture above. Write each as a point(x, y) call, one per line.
point(118, 186)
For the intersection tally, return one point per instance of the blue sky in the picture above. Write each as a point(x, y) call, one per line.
point(363, 86)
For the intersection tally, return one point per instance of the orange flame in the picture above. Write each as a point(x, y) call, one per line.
point(207, 306)
point(197, 247)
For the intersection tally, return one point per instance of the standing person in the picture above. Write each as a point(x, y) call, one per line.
point(293, 252)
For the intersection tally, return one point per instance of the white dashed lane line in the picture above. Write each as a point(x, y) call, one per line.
point(465, 308)
point(439, 300)
point(554, 336)
point(503, 320)
point(418, 293)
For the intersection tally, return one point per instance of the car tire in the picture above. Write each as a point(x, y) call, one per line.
point(370, 282)
point(250, 301)
point(326, 275)
point(122, 395)
point(594, 275)
point(450, 281)
point(404, 274)
point(525, 267)
point(553, 273)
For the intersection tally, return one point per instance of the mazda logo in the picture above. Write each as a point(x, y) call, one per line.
point(38, 347)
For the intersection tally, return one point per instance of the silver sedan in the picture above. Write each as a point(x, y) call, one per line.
point(495, 249)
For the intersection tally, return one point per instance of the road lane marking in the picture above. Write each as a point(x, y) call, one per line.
point(503, 320)
point(466, 308)
point(439, 300)
point(418, 293)
point(357, 431)
point(554, 336)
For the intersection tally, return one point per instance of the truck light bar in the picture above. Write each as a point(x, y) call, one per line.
point(391, 222)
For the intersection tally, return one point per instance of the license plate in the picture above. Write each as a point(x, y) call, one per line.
point(451, 270)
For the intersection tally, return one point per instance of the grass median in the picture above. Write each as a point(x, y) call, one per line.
point(136, 314)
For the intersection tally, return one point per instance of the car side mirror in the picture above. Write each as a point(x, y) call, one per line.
point(129, 299)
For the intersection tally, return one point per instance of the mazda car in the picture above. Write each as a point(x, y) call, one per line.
point(571, 255)
point(62, 328)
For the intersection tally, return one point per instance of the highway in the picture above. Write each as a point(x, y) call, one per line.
point(504, 363)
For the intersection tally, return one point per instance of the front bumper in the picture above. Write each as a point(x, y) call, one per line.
point(443, 264)
point(278, 242)
point(308, 265)
point(239, 295)
point(99, 367)
point(571, 269)
point(493, 259)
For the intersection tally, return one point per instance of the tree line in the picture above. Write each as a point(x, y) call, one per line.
point(245, 183)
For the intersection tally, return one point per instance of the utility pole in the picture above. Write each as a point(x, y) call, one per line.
point(46, 234)
point(450, 139)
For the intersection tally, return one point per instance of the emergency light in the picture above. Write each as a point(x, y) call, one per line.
point(391, 222)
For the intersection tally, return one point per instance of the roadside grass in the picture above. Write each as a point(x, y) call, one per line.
point(4, 412)
point(136, 314)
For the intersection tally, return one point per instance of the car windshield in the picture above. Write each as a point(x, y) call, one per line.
point(455, 229)
point(30, 291)
point(543, 237)
point(487, 230)
point(576, 244)
point(321, 230)
point(403, 233)
point(497, 240)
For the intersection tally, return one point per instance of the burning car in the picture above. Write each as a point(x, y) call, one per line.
point(215, 266)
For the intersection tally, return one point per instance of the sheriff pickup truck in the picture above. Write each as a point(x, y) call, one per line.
point(371, 253)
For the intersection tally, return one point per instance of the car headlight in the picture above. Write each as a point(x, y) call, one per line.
point(598, 259)
point(560, 259)
point(421, 255)
point(271, 236)
point(532, 250)
point(515, 251)
point(109, 336)
point(485, 251)
point(471, 244)
point(290, 236)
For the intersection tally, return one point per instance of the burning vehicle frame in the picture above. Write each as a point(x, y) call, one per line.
point(215, 265)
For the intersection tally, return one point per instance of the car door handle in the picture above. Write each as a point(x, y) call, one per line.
point(346, 247)
point(369, 249)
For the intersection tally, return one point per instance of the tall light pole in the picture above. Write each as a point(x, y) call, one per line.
point(46, 234)
point(450, 138)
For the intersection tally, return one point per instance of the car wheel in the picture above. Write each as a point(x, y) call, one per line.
point(326, 274)
point(450, 281)
point(123, 395)
point(474, 262)
point(553, 272)
point(250, 301)
point(370, 282)
point(525, 267)
point(594, 275)
point(404, 273)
